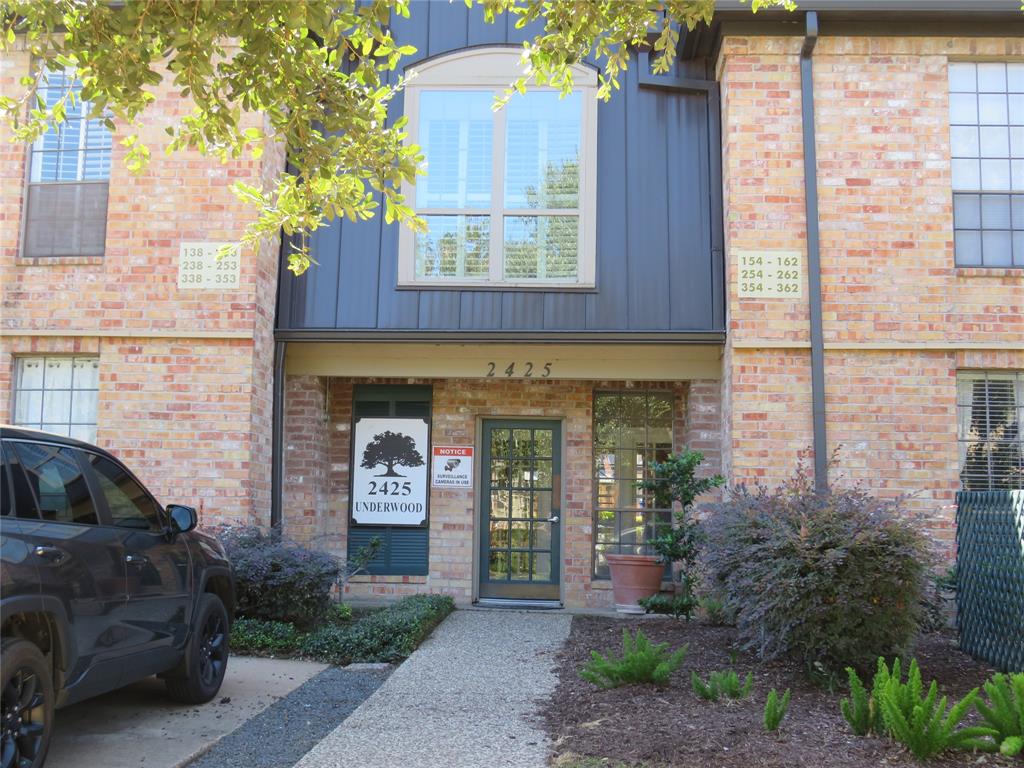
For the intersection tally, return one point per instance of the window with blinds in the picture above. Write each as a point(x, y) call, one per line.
point(990, 411)
point(69, 173)
point(508, 197)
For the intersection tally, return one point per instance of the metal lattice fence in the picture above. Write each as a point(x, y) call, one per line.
point(990, 576)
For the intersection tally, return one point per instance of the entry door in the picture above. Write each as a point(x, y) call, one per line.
point(520, 515)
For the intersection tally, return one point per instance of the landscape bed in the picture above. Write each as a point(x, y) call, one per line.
point(642, 725)
point(343, 637)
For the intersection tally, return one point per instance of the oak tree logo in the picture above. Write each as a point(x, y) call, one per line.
point(392, 449)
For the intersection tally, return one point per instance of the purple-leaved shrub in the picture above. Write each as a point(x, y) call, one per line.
point(830, 578)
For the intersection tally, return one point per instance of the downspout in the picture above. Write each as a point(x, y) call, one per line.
point(813, 253)
point(277, 437)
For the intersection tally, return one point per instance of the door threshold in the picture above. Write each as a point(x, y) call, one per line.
point(500, 602)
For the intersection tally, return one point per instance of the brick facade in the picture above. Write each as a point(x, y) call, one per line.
point(899, 317)
point(317, 470)
point(185, 376)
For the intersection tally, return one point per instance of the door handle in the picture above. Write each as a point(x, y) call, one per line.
point(136, 559)
point(53, 554)
point(553, 519)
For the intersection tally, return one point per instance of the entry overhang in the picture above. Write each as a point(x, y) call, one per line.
point(595, 362)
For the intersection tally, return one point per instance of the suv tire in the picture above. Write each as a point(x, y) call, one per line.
point(199, 676)
point(26, 704)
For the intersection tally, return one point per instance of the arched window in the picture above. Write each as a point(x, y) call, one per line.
point(510, 195)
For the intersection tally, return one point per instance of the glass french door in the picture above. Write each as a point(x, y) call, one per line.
point(520, 514)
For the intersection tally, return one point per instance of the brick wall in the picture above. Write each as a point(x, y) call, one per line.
point(899, 317)
point(185, 376)
point(318, 478)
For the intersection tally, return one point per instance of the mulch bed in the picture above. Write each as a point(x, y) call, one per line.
point(643, 725)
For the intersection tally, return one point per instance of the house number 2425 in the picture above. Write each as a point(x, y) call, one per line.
point(527, 371)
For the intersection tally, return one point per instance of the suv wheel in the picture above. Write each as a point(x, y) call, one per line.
point(26, 705)
point(200, 674)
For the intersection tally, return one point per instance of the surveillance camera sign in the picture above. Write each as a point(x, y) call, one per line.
point(452, 466)
point(389, 472)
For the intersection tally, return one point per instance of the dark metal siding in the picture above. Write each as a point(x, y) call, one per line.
point(657, 267)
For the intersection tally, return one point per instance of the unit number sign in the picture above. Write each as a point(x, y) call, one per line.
point(200, 269)
point(770, 274)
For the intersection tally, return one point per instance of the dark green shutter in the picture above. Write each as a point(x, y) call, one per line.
point(405, 550)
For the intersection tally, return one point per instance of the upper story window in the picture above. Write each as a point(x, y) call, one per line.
point(510, 195)
point(69, 171)
point(986, 107)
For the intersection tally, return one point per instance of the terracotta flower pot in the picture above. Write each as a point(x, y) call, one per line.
point(634, 577)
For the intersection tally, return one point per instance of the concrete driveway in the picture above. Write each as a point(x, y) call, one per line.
point(139, 727)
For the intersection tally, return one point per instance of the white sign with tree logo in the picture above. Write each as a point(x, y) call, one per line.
point(389, 472)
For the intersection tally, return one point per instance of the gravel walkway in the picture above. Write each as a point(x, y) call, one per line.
point(465, 699)
point(287, 729)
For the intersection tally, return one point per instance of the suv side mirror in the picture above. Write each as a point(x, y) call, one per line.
point(183, 519)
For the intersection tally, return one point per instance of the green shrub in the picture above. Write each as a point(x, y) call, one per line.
point(1004, 711)
point(922, 721)
point(725, 683)
point(259, 636)
point(829, 578)
point(389, 635)
point(641, 662)
point(339, 613)
point(775, 709)
point(678, 606)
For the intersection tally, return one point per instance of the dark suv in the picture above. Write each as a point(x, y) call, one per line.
point(100, 586)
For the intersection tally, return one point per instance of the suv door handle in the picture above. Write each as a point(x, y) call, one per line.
point(47, 552)
point(136, 559)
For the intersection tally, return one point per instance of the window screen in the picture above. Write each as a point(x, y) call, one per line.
point(990, 410)
point(986, 109)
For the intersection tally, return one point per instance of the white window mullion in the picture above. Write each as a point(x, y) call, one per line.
point(496, 261)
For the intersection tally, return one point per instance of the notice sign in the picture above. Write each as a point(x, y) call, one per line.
point(200, 269)
point(770, 274)
point(389, 472)
point(452, 466)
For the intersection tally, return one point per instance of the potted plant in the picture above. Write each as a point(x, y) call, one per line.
point(675, 485)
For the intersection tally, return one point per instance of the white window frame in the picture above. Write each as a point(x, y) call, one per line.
point(479, 69)
point(73, 419)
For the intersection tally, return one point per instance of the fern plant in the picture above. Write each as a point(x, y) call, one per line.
point(641, 662)
point(725, 683)
point(1004, 711)
point(775, 709)
point(859, 710)
point(922, 722)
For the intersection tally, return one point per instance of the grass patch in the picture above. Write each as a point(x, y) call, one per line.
point(387, 635)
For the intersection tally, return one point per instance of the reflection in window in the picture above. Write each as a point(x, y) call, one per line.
point(631, 430)
point(990, 411)
point(129, 505)
point(986, 114)
point(509, 194)
point(58, 483)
